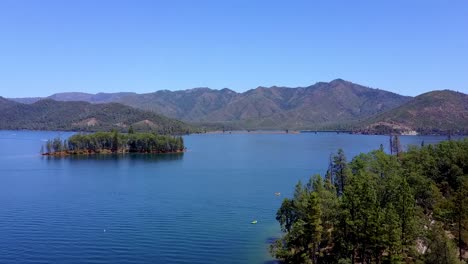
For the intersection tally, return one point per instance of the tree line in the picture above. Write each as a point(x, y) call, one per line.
point(115, 142)
point(379, 208)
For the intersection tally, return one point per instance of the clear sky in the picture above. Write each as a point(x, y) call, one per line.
point(408, 47)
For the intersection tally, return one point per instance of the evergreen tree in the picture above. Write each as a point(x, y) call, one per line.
point(388, 211)
point(440, 249)
point(57, 145)
point(49, 146)
point(396, 145)
point(391, 145)
point(460, 209)
point(105, 142)
point(339, 171)
point(302, 221)
point(115, 141)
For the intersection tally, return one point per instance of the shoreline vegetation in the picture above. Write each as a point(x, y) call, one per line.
point(113, 143)
point(448, 134)
point(402, 207)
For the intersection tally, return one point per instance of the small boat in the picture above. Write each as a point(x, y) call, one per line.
point(277, 193)
point(254, 222)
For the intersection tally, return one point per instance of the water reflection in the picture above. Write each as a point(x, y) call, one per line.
point(118, 157)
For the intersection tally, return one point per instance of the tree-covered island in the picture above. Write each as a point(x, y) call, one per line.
point(113, 142)
point(411, 207)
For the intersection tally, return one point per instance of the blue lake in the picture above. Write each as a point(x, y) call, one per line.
point(194, 207)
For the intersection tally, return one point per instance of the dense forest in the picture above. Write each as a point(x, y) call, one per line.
point(114, 142)
point(409, 207)
point(48, 114)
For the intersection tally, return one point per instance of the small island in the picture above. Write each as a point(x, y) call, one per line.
point(113, 142)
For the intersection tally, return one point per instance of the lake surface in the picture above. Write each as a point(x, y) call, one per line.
point(194, 207)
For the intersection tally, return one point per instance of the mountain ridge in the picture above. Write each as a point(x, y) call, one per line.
point(334, 105)
point(48, 114)
point(276, 107)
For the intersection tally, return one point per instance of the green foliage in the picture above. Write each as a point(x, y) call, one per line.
point(301, 243)
point(81, 116)
point(112, 142)
point(395, 145)
point(339, 171)
point(386, 210)
point(441, 249)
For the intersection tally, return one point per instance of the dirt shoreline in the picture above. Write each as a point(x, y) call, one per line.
point(105, 152)
point(253, 132)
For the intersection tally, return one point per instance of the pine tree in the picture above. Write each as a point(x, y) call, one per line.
point(301, 219)
point(115, 141)
point(440, 249)
point(49, 146)
point(396, 145)
point(460, 209)
point(388, 206)
point(391, 145)
point(339, 171)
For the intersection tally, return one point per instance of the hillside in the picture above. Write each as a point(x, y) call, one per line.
point(436, 112)
point(4, 103)
point(82, 116)
point(332, 104)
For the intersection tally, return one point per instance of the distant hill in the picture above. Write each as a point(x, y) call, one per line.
point(26, 100)
point(4, 103)
point(92, 98)
point(98, 98)
point(83, 116)
point(436, 112)
point(335, 104)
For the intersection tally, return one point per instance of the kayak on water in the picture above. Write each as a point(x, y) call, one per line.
point(254, 222)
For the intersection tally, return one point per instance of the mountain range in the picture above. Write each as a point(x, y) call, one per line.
point(48, 114)
point(338, 104)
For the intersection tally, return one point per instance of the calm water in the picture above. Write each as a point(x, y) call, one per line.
point(190, 208)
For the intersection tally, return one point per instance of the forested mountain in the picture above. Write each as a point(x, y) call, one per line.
point(333, 104)
point(321, 105)
point(5, 103)
point(337, 104)
point(434, 112)
point(53, 115)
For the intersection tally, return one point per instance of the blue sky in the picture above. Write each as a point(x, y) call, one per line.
point(408, 47)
